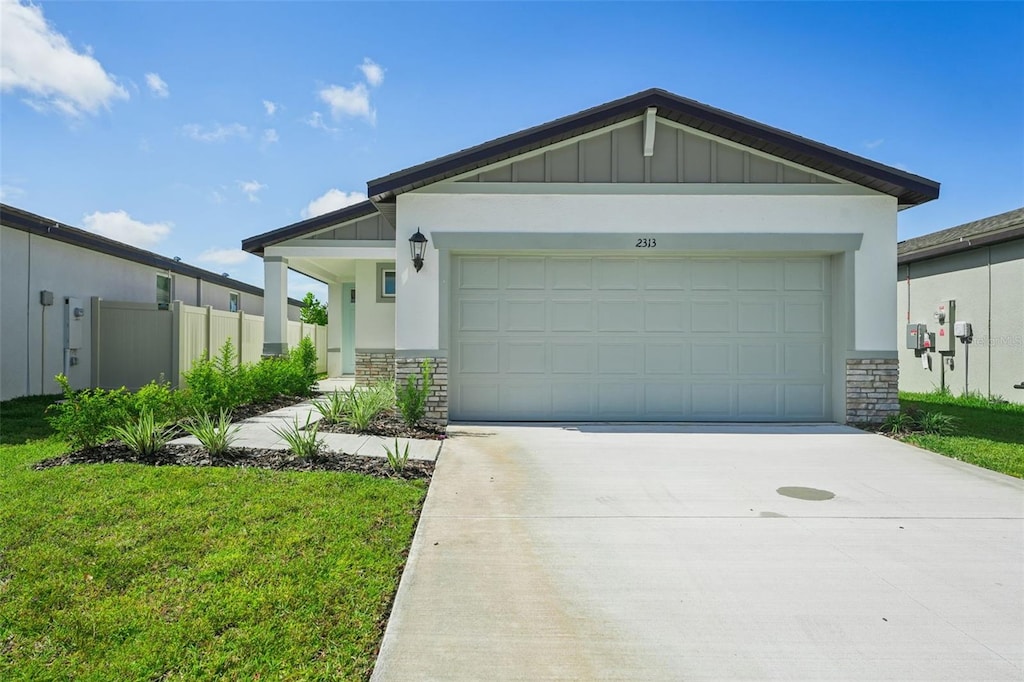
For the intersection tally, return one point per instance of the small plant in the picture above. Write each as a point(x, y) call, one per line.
point(412, 398)
point(85, 418)
point(365, 404)
point(144, 436)
point(333, 408)
point(302, 440)
point(897, 424)
point(166, 404)
point(937, 423)
point(304, 357)
point(397, 459)
point(216, 436)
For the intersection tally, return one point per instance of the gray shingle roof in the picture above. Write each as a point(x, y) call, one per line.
point(997, 228)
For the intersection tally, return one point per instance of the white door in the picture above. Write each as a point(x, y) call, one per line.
point(647, 339)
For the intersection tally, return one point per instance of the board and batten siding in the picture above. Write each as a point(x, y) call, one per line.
point(372, 228)
point(617, 156)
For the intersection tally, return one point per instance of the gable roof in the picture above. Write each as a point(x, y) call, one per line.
point(25, 221)
point(992, 230)
point(910, 189)
point(256, 244)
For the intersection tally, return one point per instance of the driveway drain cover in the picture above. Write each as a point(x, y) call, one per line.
point(806, 493)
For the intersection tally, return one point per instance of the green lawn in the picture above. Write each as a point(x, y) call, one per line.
point(988, 435)
point(126, 572)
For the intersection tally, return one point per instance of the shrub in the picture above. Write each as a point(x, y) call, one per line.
point(86, 418)
point(304, 356)
point(397, 459)
point(937, 423)
point(303, 441)
point(205, 389)
point(333, 408)
point(144, 435)
point(166, 404)
point(216, 436)
point(412, 398)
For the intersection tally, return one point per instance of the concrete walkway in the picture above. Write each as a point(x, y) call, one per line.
point(598, 552)
point(257, 432)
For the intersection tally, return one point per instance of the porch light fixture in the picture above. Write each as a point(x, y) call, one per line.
point(418, 246)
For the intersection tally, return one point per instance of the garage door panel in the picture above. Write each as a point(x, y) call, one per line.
point(804, 317)
point(570, 274)
point(711, 358)
point(760, 317)
point(711, 317)
point(663, 358)
point(757, 359)
point(572, 358)
point(478, 273)
point(664, 275)
point(644, 338)
point(478, 357)
point(525, 315)
point(572, 316)
point(666, 316)
point(529, 357)
point(618, 316)
point(524, 273)
point(478, 316)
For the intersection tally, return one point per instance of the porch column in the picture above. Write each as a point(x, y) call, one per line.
point(334, 329)
point(275, 305)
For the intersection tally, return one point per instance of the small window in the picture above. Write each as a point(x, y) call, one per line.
point(163, 292)
point(233, 302)
point(386, 283)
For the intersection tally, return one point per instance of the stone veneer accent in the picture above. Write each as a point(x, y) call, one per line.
point(872, 390)
point(437, 401)
point(372, 365)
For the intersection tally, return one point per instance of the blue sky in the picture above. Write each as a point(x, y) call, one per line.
point(184, 127)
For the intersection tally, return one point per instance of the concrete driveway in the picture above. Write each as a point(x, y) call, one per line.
point(644, 552)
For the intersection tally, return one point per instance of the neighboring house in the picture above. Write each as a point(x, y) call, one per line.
point(43, 262)
point(648, 259)
point(979, 266)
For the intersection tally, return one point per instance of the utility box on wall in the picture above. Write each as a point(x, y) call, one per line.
point(945, 338)
point(917, 336)
point(74, 323)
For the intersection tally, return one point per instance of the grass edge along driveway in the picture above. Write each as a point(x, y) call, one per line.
point(134, 572)
point(986, 434)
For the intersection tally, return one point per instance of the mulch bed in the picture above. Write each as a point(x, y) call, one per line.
point(390, 425)
point(256, 458)
point(256, 409)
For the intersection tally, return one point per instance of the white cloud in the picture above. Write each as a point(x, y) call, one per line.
point(122, 227)
point(874, 144)
point(316, 120)
point(10, 192)
point(331, 200)
point(354, 101)
point(216, 197)
point(270, 136)
point(223, 256)
point(216, 133)
point(37, 59)
point(157, 85)
point(372, 71)
point(269, 107)
point(251, 189)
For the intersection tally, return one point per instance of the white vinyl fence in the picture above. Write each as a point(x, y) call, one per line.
point(135, 343)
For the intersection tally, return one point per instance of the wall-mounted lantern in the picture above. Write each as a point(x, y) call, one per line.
point(418, 246)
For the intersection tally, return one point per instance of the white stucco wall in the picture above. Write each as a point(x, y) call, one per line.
point(873, 215)
point(375, 322)
point(32, 342)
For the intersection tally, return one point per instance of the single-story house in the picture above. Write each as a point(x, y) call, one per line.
point(651, 259)
point(974, 275)
point(44, 262)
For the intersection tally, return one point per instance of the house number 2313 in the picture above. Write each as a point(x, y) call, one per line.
point(646, 243)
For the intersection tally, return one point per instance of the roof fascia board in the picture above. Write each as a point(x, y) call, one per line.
point(327, 251)
point(314, 225)
point(651, 188)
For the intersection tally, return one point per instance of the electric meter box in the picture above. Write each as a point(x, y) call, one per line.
point(916, 335)
point(962, 330)
point(945, 315)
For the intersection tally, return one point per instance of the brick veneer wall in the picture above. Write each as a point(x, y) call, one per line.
point(872, 389)
point(437, 401)
point(374, 365)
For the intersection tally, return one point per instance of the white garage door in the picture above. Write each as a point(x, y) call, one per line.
point(649, 339)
